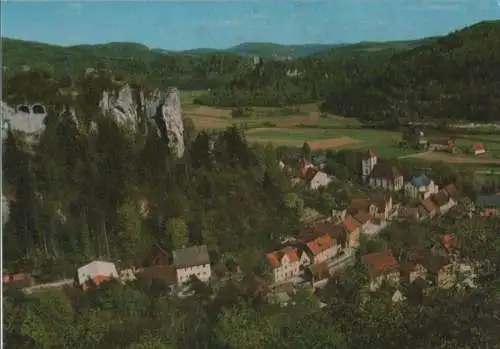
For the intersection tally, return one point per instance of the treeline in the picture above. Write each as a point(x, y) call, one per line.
point(127, 61)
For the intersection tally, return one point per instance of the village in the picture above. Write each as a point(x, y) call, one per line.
point(325, 248)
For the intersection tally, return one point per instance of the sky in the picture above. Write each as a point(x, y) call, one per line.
point(181, 25)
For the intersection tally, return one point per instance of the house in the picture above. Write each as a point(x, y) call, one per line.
point(439, 269)
point(313, 177)
point(353, 230)
point(359, 205)
point(429, 209)
point(488, 205)
point(411, 270)
point(96, 272)
point(450, 190)
point(192, 261)
point(284, 264)
point(420, 187)
point(319, 180)
point(443, 202)
point(478, 148)
point(381, 205)
point(336, 232)
point(363, 218)
point(445, 247)
point(18, 280)
point(381, 266)
point(411, 212)
point(317, 272)
point(442, 144)
point(380, 175)
point(318, 248)
point(157, 256)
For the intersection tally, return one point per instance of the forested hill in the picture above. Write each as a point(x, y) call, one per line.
point(455, 76)
point(193, 69)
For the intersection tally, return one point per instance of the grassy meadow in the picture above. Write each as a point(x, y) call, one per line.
point(292, 126)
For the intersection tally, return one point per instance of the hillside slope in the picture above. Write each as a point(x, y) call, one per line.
point(455, 76)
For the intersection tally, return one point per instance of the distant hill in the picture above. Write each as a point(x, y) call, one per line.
point(364, 49)
point(454, 76)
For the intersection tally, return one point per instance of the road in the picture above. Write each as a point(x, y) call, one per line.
point(55, 284)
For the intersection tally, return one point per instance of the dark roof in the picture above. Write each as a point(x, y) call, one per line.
point(380, 199)
point(163, 272)
point(433, 263)
point(451, 189)
point(385, 171)
point(428, 205)
point(360, 204)
point(440, 198)
point(339, 234)
point(368, 154)
point(191, 256)
point(362, 217)
point(310, 173)
point(488, 201)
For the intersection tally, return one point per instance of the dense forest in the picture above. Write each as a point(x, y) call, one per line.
point(449, 77)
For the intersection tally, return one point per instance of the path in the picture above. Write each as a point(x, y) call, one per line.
point(55, 284)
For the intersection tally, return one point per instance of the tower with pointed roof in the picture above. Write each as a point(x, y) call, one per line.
point(368, 162)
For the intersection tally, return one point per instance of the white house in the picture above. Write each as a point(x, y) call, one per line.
point(192, 261)
point(320, 249)
point(421, 188)
point(97, 272)
point(320, 179)
point(443, 201)
point(380, 175)
point(284, 264)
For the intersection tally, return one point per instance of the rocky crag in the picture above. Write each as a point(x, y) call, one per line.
point(133, 108)
point(156, 111)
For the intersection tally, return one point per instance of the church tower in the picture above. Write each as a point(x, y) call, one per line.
point(368, 162)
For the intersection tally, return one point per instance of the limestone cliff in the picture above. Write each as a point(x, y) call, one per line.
point(134, 108)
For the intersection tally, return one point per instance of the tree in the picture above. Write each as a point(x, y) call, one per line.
point(177, 231)
point(306, 151)
point(48, 320)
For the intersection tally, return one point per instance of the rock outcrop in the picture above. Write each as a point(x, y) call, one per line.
point(170, 122)
point(133, 108)
point(29, 123)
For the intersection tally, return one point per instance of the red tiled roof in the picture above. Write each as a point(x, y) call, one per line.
point(292, 254)
point(447, 240)
point(274, 258)
point(379, 261)
point(350, 223)
point(451, 189)
point(478, 146)
point(320, 244)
